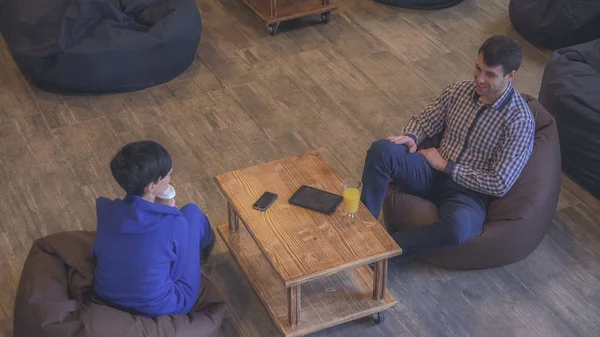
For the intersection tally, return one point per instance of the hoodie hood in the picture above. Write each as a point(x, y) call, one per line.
point(133, 215)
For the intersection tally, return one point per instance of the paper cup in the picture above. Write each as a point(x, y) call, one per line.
point(169, 193)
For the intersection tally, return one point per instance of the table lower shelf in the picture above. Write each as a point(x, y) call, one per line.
point(325, 302)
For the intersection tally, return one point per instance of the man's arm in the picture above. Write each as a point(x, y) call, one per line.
point(512, 156)
point(430, 121)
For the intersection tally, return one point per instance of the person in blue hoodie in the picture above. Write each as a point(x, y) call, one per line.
point(148, 253)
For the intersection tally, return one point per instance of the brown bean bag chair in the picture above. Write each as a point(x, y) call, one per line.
point(55, 298)
point(515, 224)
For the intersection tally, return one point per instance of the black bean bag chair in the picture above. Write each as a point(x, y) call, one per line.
point(420, 4)
point(100, 45)
point(514, 225)
point(556, 24)
point(55, 298)
point(570, 90)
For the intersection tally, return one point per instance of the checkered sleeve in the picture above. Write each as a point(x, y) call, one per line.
point(430, 121)
point(509, 161)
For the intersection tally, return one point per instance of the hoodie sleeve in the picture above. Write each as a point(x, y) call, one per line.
point(186, 267)
point(180, 246)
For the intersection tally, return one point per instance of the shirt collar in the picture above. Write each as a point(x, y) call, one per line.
point(501, 102)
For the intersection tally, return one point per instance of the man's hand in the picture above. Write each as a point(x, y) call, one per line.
point(434, 158)
point(406, 140)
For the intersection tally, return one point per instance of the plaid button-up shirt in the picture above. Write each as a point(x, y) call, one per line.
point(486, 146)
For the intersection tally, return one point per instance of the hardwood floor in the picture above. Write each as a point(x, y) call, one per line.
point(250, 97)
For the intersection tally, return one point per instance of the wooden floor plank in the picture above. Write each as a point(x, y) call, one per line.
point(498, 299)
point(250, 97)
point(576, 230)
point(564, 285)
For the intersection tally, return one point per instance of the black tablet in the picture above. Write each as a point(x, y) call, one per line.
point(316, 199)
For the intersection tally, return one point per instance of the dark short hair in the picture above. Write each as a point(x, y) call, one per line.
point(502, 50)
point(138, 164)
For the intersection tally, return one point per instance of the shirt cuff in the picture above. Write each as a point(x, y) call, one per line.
point(449, 168)
point(413, 138)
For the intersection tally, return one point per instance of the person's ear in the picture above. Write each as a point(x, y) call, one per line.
point(511, 75)
point(149, 188)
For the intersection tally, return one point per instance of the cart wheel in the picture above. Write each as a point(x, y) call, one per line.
point(273, 28)
point(378, 317)
point(325, 17)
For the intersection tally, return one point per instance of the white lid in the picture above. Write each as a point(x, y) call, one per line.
point(169, 193)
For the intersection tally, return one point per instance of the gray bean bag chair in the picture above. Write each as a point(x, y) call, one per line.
point(556, 24)
point(55, 298)
point(515, 224)
point(570, 90)
point(100, 45)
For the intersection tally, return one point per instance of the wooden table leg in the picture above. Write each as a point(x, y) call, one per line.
point(294, 304)
point(380, 279)
point(234, 219)
point(272, 8)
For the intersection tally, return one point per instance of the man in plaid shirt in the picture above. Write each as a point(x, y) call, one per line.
point(487, 137)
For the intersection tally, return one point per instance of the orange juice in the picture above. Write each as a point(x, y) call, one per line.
point(351, 199)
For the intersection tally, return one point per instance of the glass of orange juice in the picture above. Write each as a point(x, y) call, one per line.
point(351, 189)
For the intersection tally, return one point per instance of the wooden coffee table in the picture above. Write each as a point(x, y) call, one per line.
point(309, 269)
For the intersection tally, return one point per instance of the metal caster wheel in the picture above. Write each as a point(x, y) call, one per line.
point(273, 28)
point(378, 318)
point(325, 17)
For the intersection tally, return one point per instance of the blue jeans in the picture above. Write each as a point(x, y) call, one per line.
point(461, 210)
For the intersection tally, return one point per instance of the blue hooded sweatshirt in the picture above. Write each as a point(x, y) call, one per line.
point(141, 250)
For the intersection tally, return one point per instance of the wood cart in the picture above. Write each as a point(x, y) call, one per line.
point(273, 12)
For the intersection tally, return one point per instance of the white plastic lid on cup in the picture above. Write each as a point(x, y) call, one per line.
point(169, 193)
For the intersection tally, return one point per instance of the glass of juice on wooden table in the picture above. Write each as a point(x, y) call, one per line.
point(351, 189)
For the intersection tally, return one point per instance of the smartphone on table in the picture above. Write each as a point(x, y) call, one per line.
point(265, 201)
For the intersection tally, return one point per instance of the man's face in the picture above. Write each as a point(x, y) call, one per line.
point(491, 81)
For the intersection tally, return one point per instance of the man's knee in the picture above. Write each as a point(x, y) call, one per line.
point(194, 216)
point(191, 209)
point(383, 148)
